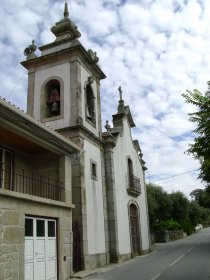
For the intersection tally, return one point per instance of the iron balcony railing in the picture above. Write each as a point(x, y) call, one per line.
point(36, 185)
point(133, 185)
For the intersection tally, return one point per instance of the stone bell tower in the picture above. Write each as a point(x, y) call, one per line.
point(63, 83)
point(64, 93)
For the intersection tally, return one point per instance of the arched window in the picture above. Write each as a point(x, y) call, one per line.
point(90, 104)
point(52, 94)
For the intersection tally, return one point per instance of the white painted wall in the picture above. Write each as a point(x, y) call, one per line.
point(63, 72)
point(123, 149)
point(94, 201)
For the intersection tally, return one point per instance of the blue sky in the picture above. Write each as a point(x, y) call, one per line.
point(155, 50)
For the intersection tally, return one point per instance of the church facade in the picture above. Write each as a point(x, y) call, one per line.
point(107, 202)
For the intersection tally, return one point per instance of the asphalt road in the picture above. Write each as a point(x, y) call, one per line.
point(185, 259)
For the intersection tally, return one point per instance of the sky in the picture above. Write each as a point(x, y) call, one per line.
point(154, 49)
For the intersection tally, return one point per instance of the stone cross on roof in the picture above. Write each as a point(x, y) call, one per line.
point(120, 92)
point(66, 11)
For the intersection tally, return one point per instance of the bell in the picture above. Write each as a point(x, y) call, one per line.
point(55, 108)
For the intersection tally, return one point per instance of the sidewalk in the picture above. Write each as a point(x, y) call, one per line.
point(87, 273)
point(98, 270)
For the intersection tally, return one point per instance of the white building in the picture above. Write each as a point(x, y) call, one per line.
point(110, 218)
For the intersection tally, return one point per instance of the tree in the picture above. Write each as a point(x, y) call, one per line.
point(202, 196)
point(200, 149)
point(159, 205)
point(181, 210)
point(195, 214)
point(174, 211)
point(180, 207)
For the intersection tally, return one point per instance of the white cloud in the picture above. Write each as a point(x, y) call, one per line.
point(154, 49)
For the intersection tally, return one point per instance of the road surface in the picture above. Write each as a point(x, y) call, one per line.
point(185, 259)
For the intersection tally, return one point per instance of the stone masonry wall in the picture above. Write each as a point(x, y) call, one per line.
point(11, 244)
point(13, 210)
point(166, 236)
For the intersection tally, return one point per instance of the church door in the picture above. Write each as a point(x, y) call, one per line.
point(134, 229)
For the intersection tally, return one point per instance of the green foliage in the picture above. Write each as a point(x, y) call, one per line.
point(200, 149)
point(159, 204)
point(174, 211)
point(187, 226)
point(167, 225)
point(180, 206)
point(202, 196)
point(195, 213)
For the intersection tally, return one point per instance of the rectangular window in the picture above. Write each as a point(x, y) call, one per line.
point(93, 169)
point(28, 227)
point(40, 228)
point(51, 228)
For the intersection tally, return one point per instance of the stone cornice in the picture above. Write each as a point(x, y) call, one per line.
point(76, 49)
point(35, 199)
point(83, 132)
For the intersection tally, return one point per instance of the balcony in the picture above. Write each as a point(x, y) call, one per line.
point(35, 185)
point(133, 185)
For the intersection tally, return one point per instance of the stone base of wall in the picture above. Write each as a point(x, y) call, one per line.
point(145, 252)
point(103, 259)
point(97, 260)
point(124, 257)
point(166, 236)
point(100, 260)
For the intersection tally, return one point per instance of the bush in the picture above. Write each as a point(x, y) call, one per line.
point(187, 227)
point(167, 225)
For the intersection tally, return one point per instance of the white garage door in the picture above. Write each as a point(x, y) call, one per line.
point(40, 249)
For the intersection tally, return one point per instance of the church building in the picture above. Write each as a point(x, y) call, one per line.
point(80, 200)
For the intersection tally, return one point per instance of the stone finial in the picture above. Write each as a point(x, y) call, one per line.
point(93, 55)
point(65, 28)
point(107, 126)
point(29, 52)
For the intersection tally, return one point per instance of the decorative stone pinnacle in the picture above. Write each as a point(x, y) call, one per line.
point(65, 28)
point(107, 126)
point(93, 55)
point(120, 92)
point(29, 52)
point(66, 11)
